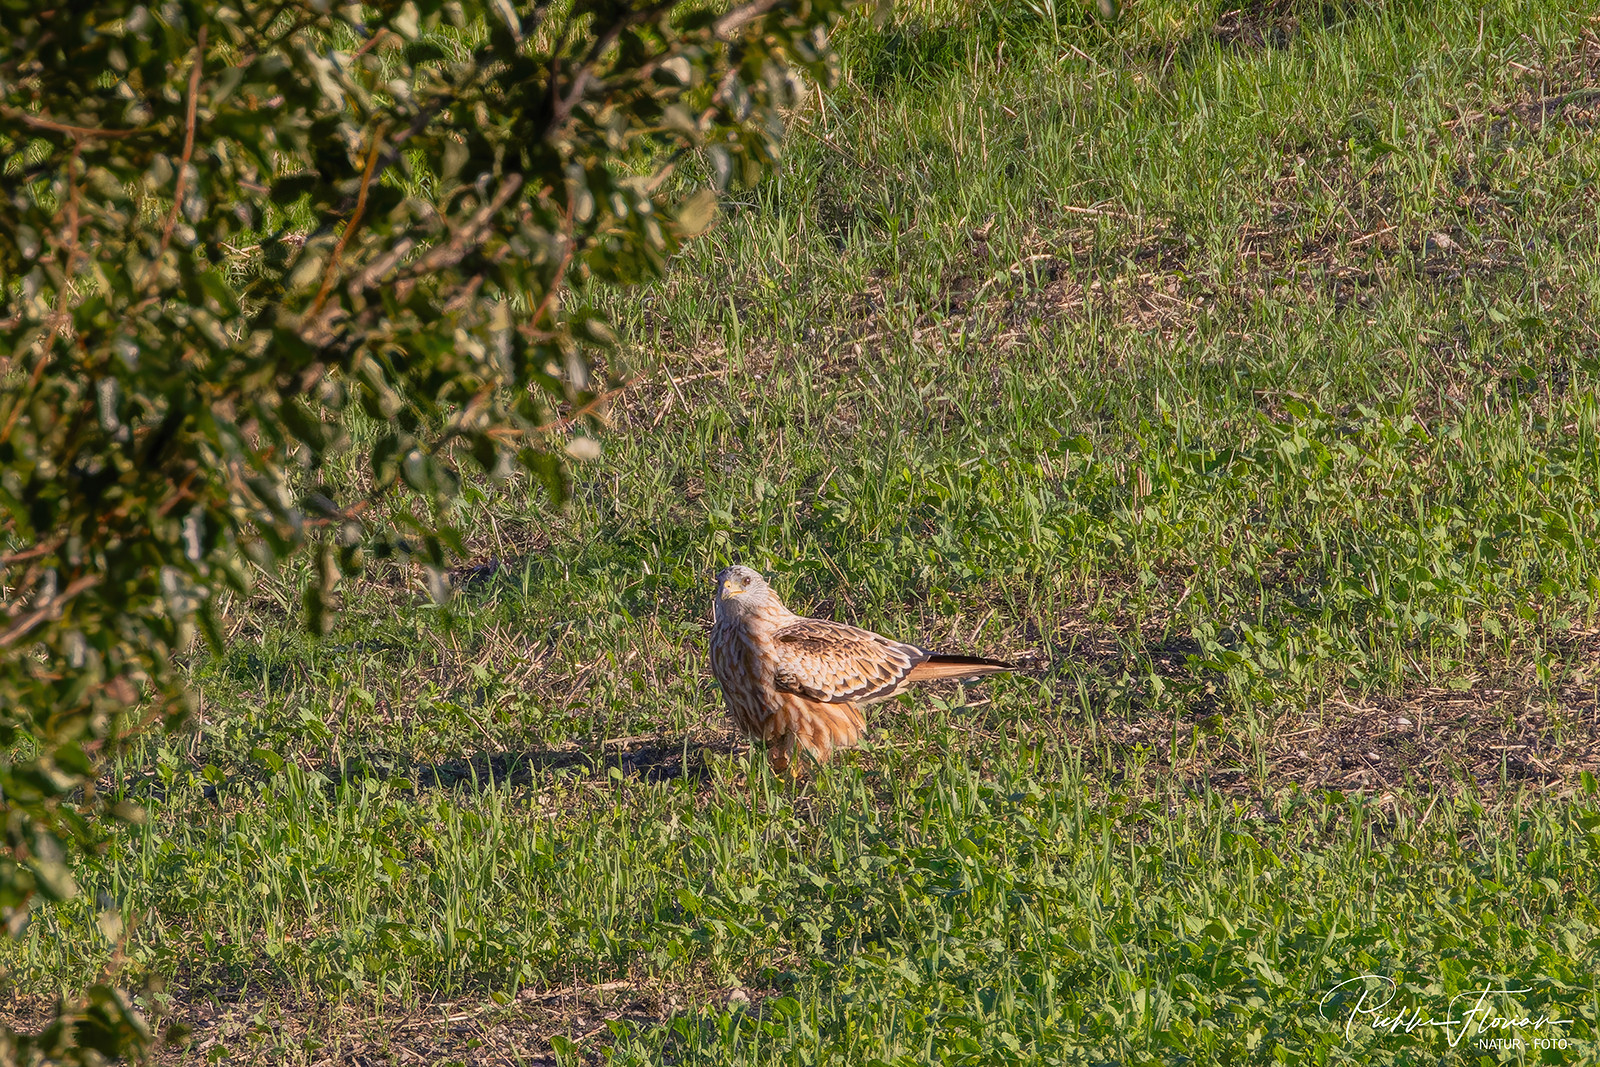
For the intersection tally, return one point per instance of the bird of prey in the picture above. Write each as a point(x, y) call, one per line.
point(797, 684)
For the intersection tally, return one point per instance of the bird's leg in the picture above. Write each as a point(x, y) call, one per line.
point(795, 772)
point(780, 753)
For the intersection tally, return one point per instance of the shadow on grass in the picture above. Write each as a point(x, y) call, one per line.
point(650, 759)
point(640, 759)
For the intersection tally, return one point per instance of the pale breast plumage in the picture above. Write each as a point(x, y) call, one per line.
point(744, 674)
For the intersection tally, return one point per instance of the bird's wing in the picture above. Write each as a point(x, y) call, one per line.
point(832, 662)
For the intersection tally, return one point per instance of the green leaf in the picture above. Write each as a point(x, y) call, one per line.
point(281, 214)
point(697, 212)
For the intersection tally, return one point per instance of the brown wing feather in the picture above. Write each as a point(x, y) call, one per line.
point(833, 662)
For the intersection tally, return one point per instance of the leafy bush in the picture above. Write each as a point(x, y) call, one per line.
point(224, 226)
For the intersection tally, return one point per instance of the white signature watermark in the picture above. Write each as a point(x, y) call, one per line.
point(1474, 1015)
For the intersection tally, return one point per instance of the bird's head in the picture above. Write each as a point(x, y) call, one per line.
point(740, 589)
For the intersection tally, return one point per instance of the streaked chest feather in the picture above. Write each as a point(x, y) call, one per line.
point(744, 668)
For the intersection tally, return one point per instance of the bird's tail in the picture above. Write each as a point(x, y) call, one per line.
point(939, 666)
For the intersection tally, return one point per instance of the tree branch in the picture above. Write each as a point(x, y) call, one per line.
point(350, 227)
point(567, 421)
point(466, 236)
point(383, 32)
point(561, 268)
point(154, 270)
point(419, 122)
point(741, 17)
point(39, 614)
point(34, 122)
point(561, 108)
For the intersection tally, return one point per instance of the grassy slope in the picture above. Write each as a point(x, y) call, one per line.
point(1236, 370)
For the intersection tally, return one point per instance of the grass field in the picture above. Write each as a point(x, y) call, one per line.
point(1234, 370)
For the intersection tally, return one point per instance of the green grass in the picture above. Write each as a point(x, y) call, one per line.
point(1236, 371)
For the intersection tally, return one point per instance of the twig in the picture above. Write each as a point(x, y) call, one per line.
point(448, 254)
point(561, 267)
point(464, 295)
point(805, 127)
point(1464, 119)
point(739, 17)
point(663, 412)
point(447, 1019)
point(34, 618)
point(349, 514)
point(1337, 199)
point(179, 495)
point(1110, 213)
point(83, 133)
point(687, 378)
point(561, 106)
point(381, 266)
point(383, 31)
point(349, 227)
point(1364, 238)
point(41, 549)
point(33, 383)
point(455, 250)
point(675, 382)
point(154, 270)
point(1085, 57)
point(566, 422)
point(571, 990)
point(73, 250)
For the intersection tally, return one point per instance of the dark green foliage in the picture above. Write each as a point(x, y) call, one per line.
point(104, 1025)
point(223, 225)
